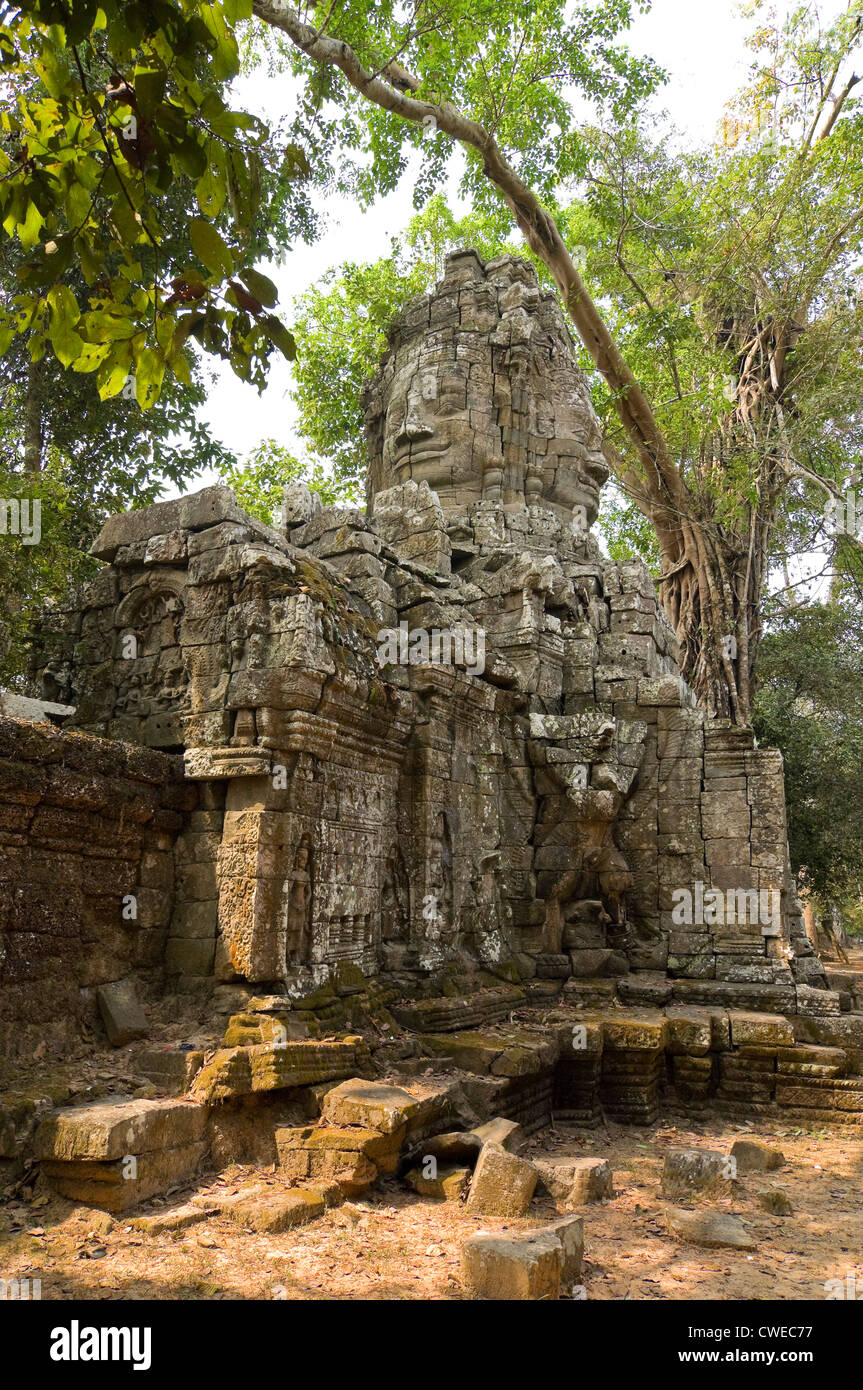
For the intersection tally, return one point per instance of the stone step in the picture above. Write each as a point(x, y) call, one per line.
point(116, 1154)
point(454, 1015)
point(240, 1071)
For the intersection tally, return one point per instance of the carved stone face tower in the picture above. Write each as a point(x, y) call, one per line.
point(480, 397)
point(543, 791)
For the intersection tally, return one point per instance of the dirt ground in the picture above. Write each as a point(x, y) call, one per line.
point(395, 1245)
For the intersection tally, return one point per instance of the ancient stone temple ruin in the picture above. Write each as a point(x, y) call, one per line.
point(445, 728)
point(428, 768)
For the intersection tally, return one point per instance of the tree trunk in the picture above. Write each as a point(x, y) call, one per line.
point(33, 434)
point(712, 599)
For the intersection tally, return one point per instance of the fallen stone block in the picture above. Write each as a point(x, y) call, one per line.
point(118, 1184)
point(115, 1154)
point(351, 1171)
point(257, 1026)
point(448, 1182)
point(382, 1149)
point(689, 1171)
point(712, 1229)
point(458, 1148)
point(502, 1185)
point(760, 1029)
point(690, 1032)
point(645, 1034)
point(827, 1062)
point(441, 1105)
point(302, 1063)
point(114, 1129)
point(754, 1157)
point(329, 1192)
point(224, 1075)
point(172, 1219)
point(122, 1014)
point(237, 1071)
point(645, 987)
point(525, 1058)
point(387, 1109)
point(171, 1069)
point(350, 1157)
point(511, 1268)
point(474, 1052)
point(576, 1181)
point(455, 1014)
point(570, 1232)
point(507, 1133)
point(271, 1209)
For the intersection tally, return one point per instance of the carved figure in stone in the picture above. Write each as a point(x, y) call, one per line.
point(614, 878)
point(395, 899)
point(299, 906)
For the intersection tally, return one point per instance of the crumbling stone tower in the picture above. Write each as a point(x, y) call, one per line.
point(446, 728)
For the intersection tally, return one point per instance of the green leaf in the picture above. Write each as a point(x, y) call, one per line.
point(260, 286)
point(114, 372)
point(28, 229)
point(211, 189)
point(149, 371)
point(92, 356)
point(295, 163)
point(126, 221)
point(181, 369)
point(53, 72)
point(64, 318)
point(210, 248)
point(235, 10)
point(226, 59)
point(190, 157)
point(79, 21)
point(170, 119)
point(100, 325)
point(279, 335)
point(149, 89)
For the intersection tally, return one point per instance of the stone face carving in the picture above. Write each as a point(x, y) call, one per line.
point(547, 804)
point(487, 403)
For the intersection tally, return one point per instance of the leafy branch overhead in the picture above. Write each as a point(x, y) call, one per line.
point(107, 107)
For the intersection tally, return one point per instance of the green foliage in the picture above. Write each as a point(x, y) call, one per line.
point(110, 454)
point(809, 704)
point(259, 482)
point(512, 66)
point(33, 576)
point(110, 107)
point(626, 532)
point(727, 278)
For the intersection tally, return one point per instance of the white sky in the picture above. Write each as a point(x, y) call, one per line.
point(699, 42)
